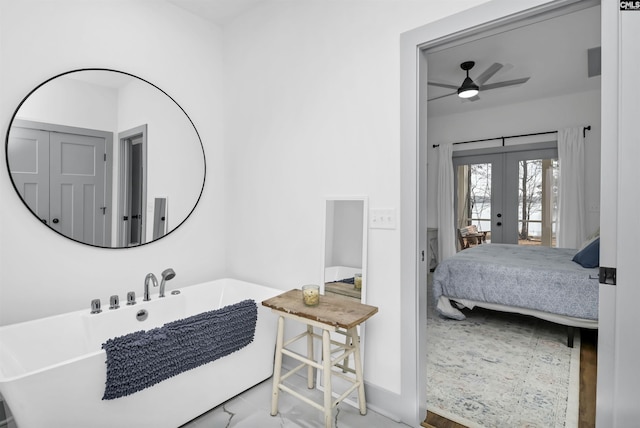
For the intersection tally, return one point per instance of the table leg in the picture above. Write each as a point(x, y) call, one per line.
point(326, 362)
point(355, 341)
point(310, 380)
point(277, 368)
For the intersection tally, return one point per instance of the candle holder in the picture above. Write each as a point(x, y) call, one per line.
point(357, 281)
point(311, 295)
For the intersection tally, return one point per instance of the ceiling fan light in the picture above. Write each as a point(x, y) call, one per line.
point(468, 89)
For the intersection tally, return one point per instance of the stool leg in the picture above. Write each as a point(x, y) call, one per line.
point(277, 368)
point(326, 362)
point(310, 380)
point(345, 362)
point(355, 341)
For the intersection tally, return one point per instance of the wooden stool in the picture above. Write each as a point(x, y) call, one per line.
point(333, 314)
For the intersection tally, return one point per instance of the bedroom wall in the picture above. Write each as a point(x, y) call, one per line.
point(529, 117)
point(43, 274)
point(313, 111)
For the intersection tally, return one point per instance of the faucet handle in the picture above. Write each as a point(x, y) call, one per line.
point(95, 306)
point(131, 298)
point(114, 302)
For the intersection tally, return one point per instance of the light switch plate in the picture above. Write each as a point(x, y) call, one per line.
point(382, 218)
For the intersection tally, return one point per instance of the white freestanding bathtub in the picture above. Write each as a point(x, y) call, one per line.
point(53, 371)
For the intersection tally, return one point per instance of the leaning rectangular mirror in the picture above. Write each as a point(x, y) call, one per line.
point(344, 267)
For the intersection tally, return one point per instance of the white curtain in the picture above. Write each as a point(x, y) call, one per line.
point(571, 207)
point(446, 222)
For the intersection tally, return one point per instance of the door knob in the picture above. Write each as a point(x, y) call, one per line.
point(499, 215)
point(499, 223)
point(55, 220)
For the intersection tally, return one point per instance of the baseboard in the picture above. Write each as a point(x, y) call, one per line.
point(383, 401)
point(380, 400)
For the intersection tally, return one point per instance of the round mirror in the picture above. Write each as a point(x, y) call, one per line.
point(105, 158)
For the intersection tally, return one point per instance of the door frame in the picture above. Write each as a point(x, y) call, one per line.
point(108, 178)
point(494, 15)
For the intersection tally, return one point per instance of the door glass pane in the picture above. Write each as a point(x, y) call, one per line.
point(474, 197)
point(537, 202)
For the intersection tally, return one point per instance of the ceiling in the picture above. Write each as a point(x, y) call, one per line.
point(219, 12)
point(553, 53)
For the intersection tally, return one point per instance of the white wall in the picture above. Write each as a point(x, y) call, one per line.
point(40, 272)
point(528, 117)
point(313, 91)
point(70, 102)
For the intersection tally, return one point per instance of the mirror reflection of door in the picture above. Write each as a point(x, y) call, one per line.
point(109, 101)
point(159, 217)
point(133, 155)
point(61, 177)
point(345, 270)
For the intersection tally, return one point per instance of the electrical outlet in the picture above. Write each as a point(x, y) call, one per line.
point(382, 218)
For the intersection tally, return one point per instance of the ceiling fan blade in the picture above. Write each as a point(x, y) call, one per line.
point(503, 84)
point(443, 85)
point(488, 73)
point(441, 96)
point(473, 98)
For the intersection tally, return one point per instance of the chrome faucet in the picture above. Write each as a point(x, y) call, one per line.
point(153, 279)
point(167, 274)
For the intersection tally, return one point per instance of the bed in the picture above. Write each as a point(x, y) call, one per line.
point(532, 280)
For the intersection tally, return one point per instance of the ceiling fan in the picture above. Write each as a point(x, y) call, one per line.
point(469, 89)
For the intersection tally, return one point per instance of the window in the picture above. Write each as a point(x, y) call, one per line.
point(509, 195)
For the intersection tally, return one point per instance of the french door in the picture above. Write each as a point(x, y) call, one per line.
point(510, 195)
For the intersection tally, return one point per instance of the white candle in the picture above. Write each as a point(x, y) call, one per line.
point(357, 281)
point(311, 295)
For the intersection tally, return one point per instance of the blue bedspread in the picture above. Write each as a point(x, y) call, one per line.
point(532, 277)
point(139, 360)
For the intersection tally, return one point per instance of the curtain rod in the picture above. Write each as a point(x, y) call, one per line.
point(584, 134)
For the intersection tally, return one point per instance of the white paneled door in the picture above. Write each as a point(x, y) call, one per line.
point(62, 178)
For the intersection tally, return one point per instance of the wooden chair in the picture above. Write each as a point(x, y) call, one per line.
point(469, 236)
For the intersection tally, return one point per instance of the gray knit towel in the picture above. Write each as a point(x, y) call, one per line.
point(139, 360)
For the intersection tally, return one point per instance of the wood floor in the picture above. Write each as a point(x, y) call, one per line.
point(588, 376)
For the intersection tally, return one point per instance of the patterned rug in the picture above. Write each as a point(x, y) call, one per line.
point(502, 370)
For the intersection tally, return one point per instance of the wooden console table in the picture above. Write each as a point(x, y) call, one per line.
point(333, 314)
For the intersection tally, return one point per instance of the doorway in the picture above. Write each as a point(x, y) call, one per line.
point(133, 187)
point(495, 17)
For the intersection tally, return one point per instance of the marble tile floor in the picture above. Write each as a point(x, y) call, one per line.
point(251, 409)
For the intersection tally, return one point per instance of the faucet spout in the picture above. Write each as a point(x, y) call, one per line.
point(150, 277)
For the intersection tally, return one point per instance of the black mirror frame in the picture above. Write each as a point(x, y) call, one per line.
point(13, 117)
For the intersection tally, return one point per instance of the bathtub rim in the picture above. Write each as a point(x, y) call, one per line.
point(84, 312)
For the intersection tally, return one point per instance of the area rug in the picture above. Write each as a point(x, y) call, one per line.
point(502, 370)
